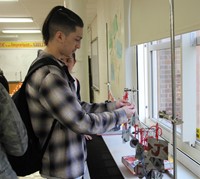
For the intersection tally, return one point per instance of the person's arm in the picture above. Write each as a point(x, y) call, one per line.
point(102, 107)
point(13, 135)
point(61, 102)
point(98, 107)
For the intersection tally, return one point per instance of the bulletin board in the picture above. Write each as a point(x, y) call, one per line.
point(95, 64)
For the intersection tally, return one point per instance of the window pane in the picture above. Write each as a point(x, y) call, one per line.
point(164, 88)
point(198, 87)
point(198, 92)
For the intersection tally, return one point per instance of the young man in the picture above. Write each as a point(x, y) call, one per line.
point(51, 95)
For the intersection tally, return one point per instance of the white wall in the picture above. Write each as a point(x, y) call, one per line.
point(81, 67)
point(15, 62)
point(114, 18)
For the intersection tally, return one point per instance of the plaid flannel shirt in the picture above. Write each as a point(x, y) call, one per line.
point(50, 97)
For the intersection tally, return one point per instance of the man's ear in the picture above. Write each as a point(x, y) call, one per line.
point(59, 36)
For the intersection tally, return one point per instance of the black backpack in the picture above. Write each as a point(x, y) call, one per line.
point(30, 162)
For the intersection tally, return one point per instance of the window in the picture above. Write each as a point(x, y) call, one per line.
point(154, 84)
point(198, 85)
point(162, 81)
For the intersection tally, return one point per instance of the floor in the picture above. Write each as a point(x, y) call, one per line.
point(37, 176)
point(34, 175)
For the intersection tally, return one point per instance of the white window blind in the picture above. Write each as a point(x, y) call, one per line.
point(189, 90)
point(150, 19)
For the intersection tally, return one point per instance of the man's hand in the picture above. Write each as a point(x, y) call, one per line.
point(121, 102)
point(88, 137)
point(130, 110)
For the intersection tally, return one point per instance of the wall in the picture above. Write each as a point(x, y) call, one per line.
point(81, 67)
point(15, 59)
point(110, 32)
point(15, 62)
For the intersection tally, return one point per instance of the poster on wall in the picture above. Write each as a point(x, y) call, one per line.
point(115, 54)
point(95, 64)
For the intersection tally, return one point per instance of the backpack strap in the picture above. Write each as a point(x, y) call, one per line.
point(38, 64)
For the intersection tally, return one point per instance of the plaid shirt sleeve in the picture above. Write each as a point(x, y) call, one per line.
point(57, 97)
point(98, 107)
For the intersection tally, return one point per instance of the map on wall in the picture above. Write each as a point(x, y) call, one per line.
point(115, 48)
point(115, 53)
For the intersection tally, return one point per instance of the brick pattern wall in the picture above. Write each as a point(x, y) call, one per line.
point(164, 81)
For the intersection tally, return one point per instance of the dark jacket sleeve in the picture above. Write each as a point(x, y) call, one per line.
point(13, 135)
point(78, 89)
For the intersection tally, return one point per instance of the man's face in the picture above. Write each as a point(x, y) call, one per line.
point(72, 42)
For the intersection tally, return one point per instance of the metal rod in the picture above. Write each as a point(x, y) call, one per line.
point(173, 79)
point(108, 72)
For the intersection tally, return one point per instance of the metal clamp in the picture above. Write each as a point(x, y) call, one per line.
point(163, 114)
point(132, 90)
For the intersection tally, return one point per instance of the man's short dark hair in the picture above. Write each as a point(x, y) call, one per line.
point(60, 19)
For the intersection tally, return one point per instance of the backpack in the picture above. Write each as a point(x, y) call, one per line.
point(31, 161)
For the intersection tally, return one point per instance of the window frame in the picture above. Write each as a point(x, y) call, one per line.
point(192, 154)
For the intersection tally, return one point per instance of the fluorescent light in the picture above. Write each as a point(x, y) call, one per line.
point(21, 31)
point(16, 19)
point(8, 0)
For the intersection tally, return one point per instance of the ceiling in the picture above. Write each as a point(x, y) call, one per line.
point(38, 10)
